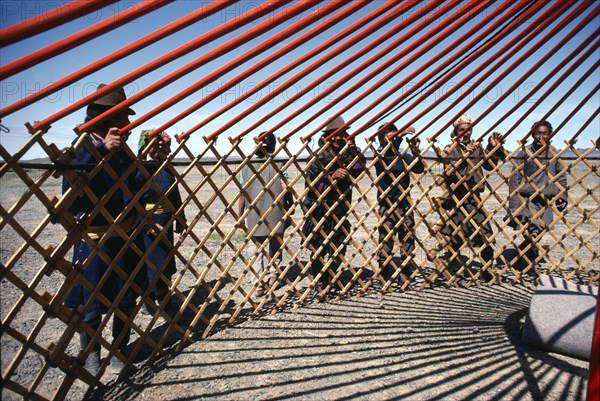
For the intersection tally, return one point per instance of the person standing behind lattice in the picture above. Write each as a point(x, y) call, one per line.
point(329, 189)
point(538, 182)
point(161, 261)
point(105, 143)
point(264, 182)
point(466, 220)
point(393, 170)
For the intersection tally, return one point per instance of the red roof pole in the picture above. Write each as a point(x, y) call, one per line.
point(51, 19)
point(376, 25)
point(593, 391)
point(508, 50)
point(265, 62)
point(125, 51)
point(217, 32)
point(80, 37)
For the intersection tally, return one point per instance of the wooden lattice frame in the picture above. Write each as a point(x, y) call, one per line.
point(214, 285)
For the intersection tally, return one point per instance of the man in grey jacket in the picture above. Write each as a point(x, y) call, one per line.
point(534, 190)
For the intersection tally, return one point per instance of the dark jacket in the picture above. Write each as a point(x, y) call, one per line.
point(393, 170)
point(101, 183)
point(340, 188)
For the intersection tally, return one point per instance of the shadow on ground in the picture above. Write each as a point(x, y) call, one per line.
point(442, 344)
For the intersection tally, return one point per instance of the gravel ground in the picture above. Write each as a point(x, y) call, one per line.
point(442, 344)
point(460, 343)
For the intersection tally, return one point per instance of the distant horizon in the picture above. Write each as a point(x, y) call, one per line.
point(430, 154)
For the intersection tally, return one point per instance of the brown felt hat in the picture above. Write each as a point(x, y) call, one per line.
point(113, 98)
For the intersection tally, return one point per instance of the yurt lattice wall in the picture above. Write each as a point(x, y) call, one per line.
point(220, 77)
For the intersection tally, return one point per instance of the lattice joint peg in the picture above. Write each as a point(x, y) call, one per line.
point(62, 361)
point(55, 263)
point(61, 159)
point(55, 213)
point(58, 211)
point(57, 311)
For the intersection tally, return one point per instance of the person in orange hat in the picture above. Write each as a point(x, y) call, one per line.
point(329, 182)
point(466, 223)
point(100, 250)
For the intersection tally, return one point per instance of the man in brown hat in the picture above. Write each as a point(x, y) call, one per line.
point(100, 251)
point(329, 183)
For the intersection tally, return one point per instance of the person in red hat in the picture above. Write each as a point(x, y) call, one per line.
point(329, 182)
point(107, 259)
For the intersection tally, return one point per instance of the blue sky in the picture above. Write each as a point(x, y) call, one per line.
point(22, 84)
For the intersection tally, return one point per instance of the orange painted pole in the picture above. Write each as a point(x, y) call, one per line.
point(543, 21)
point(50, 19)
point(508, 50)
point(563, 43)
point(591, 52)
point(139, 44)
point(593, 390)
point(584, 126)
point(313, 66)
point(201, 40)
point(253, 52)
point(375, 61)
point(478, 30)
point(459, 18)
point(321, 13)
point(78, 38)
point(328, 44)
